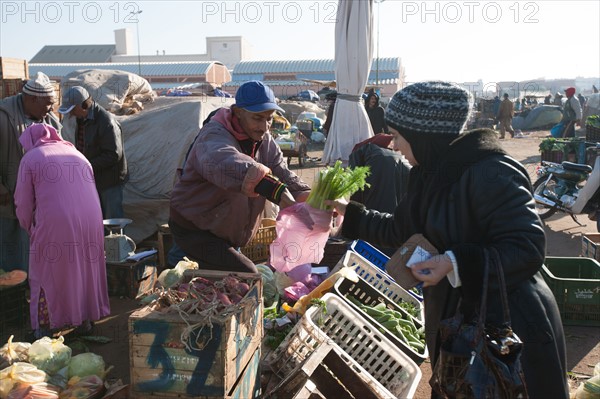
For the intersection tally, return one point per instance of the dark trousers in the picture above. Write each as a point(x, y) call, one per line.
point(570, 129)
point(210, 251)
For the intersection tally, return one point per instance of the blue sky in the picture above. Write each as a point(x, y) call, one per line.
point(451, 40)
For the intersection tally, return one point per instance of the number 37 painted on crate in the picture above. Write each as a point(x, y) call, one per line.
point(220, 360)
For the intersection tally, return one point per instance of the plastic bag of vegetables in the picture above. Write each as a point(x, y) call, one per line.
point(49, 354)
point(86, 364)
point(40, 390)
point(19, 372)
point(13, 352)
point(303, 228)
point(170, 277)
point(83, 388)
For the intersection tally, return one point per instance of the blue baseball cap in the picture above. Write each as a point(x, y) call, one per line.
point(254, 96)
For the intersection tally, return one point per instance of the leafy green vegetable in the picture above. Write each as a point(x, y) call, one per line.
point(337, 182)
point(593, 120)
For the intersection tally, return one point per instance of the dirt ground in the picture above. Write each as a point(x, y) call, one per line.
point(563, 239)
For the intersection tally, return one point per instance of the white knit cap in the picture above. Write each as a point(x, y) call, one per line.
point(39, 86)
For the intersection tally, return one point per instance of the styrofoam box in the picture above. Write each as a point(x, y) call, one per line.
point(380, 280)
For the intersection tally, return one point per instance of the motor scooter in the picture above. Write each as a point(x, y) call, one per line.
point(568, 187)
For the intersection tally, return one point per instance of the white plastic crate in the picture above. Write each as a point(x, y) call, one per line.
point(364, 293)
point(391, 367)
point(301, 342)
point(379, 280)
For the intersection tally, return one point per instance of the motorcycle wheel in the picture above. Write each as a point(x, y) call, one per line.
point(544, 211)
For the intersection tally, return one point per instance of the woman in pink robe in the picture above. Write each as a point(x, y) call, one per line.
point(58, 205)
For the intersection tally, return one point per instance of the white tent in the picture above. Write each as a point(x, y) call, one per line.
point(353, 57)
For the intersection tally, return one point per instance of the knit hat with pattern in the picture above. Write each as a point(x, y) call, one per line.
point(430, 107)
point(39, 86)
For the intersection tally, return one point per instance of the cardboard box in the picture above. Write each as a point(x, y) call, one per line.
point(13, 68)
point(217, 355)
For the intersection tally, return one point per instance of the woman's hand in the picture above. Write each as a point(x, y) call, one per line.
point(338, 206)
point(433, 270)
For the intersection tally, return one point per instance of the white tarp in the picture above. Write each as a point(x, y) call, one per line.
point(119, 92)
point(353, 57)
point(156, 142)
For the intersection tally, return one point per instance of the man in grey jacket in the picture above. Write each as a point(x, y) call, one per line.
point(98, 136)
point(233, 167)
point(33, 105)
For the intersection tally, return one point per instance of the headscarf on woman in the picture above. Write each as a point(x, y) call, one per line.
point(39, 134)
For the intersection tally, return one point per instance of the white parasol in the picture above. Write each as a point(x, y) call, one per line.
point(353, 57)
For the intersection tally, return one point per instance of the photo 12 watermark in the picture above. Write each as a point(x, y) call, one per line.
point(69, 11)
point(469, 11)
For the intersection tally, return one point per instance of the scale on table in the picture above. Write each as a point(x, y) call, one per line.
point(117, 246)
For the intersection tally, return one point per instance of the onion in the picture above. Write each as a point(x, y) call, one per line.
point(242, 288)
point(224, 299)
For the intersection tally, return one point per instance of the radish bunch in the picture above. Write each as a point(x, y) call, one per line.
point(200, 294)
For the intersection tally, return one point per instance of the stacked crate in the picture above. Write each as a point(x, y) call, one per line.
point(379, 358)
point(13, 75)
point(220, 359)
point(13, 68)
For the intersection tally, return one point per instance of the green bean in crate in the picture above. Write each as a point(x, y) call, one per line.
point(405, 331)
point(381, 282)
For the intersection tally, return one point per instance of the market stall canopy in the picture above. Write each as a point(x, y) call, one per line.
point(353, 57)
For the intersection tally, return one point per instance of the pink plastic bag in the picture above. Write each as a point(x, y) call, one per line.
point(302, 232)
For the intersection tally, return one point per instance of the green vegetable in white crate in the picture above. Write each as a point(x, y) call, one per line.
point(396, 323)
point(337, 182)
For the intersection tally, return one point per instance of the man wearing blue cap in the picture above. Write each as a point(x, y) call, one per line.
point(98, 137)
point(233, 167)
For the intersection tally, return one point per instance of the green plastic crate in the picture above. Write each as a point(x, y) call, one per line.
point(575, 283)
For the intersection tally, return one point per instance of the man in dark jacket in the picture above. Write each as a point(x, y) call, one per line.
point(98, 137)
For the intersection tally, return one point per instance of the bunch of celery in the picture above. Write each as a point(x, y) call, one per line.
point(337, 182)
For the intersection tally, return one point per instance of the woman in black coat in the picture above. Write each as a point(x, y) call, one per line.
point(466, 194)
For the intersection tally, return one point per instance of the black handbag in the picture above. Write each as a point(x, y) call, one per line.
point(478, 361)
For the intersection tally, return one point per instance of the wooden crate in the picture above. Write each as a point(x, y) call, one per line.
point(161, 365)
point(246, 387)
point(13, 68)
point(125, 278)
point(10, 87)
point(165, 242)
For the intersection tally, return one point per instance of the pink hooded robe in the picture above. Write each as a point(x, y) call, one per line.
point(58, 205)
